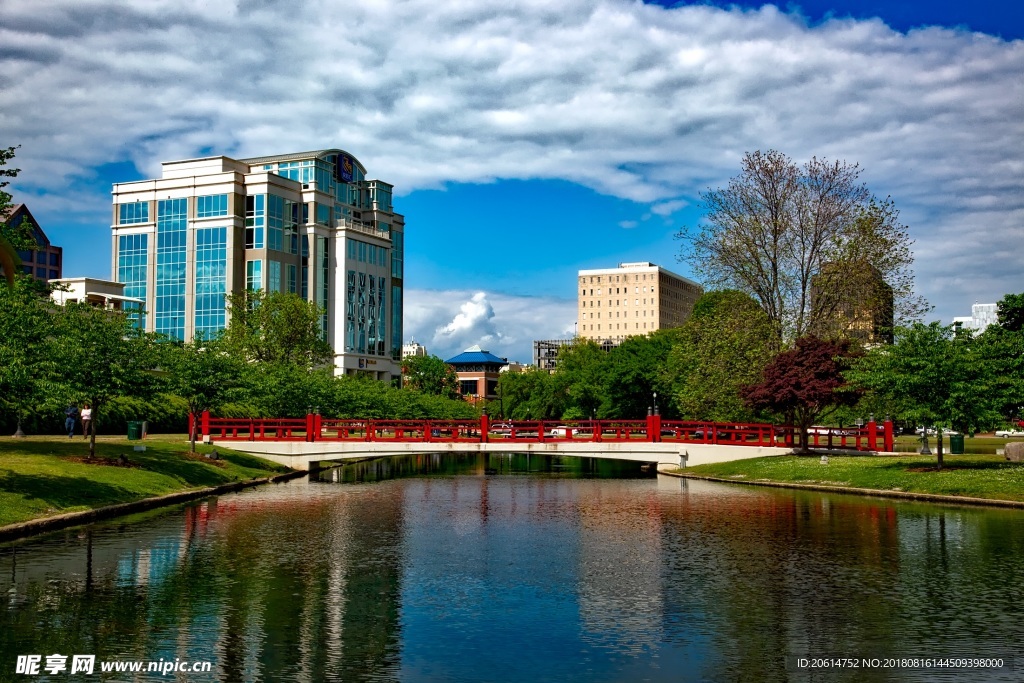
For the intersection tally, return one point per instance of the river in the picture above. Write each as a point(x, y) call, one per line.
point(506, 568)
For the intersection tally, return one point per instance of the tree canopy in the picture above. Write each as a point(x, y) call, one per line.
point(805, 383)
point(724, 345)
point(431, 375)
point(277, 327)
point(806, 242)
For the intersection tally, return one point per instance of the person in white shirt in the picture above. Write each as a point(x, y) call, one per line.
point(86, 419)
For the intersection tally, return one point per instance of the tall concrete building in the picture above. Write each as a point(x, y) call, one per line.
point(632, 299)
point(309, 223)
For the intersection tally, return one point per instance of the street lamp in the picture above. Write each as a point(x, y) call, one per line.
point(655, 402)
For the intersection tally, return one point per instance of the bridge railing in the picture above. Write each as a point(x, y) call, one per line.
point(314, 427)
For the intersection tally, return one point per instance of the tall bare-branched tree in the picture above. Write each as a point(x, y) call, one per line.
point(809, 243)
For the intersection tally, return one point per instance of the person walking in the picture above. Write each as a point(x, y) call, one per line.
point(70, 417)
point(86, 420)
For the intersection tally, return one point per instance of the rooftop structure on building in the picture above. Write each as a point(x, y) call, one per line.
point(45, 262)
point(96, 292)
point(413, 349)
point(982, 315)
point(308, 223)
point(632, 299)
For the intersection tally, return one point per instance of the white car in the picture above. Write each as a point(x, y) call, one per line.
point(562, 430)
point(1009, 433)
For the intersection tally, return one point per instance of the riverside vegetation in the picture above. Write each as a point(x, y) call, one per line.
point(46, 476)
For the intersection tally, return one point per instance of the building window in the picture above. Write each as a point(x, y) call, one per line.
point(255, 220)
point(54, 259)
point(254, 274)
point(132, 268)
point(211, 280)
point(396, 322)
point(292, 278)
point(274, 276)
point(137, 212)
point(171, 239)
point(397, 255)
point(212, 205)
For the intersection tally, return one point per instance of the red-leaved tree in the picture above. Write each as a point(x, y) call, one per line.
point(805, 383)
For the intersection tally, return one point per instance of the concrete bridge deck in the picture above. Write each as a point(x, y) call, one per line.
point(301, 455)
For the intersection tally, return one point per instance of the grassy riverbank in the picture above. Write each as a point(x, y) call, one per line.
point(978, 476)
point(44, 476)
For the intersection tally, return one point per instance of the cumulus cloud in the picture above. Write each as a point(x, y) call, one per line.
point(632, 100)
point(448, 322)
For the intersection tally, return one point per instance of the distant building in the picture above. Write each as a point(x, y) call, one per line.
point(46, 261)
point(982, 315)
point(478, 371)
point(632, 299)
point(858, 307)
point(101, 293)
point(545, 351)
point(413, 349)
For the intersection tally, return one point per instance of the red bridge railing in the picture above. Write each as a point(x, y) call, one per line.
point(871, 437)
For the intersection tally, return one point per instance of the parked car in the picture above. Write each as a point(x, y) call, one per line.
point(500, 429)
point(1009, 433)
point(562, 430)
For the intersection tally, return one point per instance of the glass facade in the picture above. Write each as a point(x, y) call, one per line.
point(171, 238)
point(396, 322)
point(323, 295)
point(211, 206)
point(133, 268)
point(136, 212)
point(211, 280)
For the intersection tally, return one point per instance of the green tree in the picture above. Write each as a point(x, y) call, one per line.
point(725, 344)
point(203, 373)
point(533, 394)
point(430, 375)
point(634, 372)
point(1002, 347)
point(937, 374)
point(578, 381)
point(12, 238)
point(101, 355)
point(798, 239)
point(276, 328)
point(25, 347)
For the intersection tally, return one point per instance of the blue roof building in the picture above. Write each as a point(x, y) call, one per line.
point(478, 371)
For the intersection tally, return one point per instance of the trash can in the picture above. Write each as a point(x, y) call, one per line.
point(134, 430)
point(956, 444)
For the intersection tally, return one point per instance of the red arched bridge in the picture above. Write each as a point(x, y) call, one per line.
point(315, 428)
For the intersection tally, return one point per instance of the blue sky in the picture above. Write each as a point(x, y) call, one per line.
point(528, 140)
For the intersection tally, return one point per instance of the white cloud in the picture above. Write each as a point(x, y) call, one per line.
point(628, 225)
point(632, 100)
point(448, 322)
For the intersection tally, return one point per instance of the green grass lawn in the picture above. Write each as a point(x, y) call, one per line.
point(43, 476)
point(979, 476)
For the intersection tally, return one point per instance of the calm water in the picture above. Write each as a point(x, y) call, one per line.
point(503, 569)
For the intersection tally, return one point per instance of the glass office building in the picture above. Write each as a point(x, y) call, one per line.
point(311, 224)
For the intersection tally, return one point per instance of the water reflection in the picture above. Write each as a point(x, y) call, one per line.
point(504, 568)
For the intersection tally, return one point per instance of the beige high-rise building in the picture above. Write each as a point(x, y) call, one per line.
point(632, 299)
